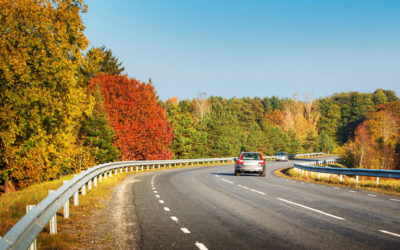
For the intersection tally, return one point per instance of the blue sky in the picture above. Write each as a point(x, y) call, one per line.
point(252, 48)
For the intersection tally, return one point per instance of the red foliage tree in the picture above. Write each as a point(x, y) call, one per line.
point(143, 131)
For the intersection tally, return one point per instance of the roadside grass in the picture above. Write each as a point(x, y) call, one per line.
point(13, 205)
point(72, 233)
point(386, 185)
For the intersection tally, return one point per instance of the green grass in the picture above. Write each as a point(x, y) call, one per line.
point(386, 185)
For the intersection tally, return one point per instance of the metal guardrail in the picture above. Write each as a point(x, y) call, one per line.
point(306, 155)
point(25, 231)
point(350, 171)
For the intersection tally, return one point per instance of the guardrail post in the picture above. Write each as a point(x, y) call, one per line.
point(100, 178)
point(329, 176)
point(110, 172)
point(341, 178)
point(76, 198)
point(116, 171)
point(319, 175)
point(33, 245)
point(142, 168)
point(120, 170)
point(153, 167)
point(89, 185)
point(95, 181)
point(53, 220)
point(66, 207)
point(377, 180)
point(105, 175)
point(83, 189)
point(357, 179)
point(132, 169)
point(147, 167)
point(169, 165)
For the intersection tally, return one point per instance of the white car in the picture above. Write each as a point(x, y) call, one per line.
point(250, 162)
point(281, 156)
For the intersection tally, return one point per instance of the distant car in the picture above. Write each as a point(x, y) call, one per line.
point(250, 162)
point(281, 156)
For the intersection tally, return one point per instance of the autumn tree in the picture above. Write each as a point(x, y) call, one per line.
point(41, 99)
point(96, 134)
point(143, 131)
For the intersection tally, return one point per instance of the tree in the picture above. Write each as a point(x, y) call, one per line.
point(41, 99)
point(97, 134)
point(110, 64)
point(143, 131)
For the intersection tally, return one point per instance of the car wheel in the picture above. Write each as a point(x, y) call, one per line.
point(263, 173)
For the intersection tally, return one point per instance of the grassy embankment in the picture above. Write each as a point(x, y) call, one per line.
point(386, 185)
point(73, 232)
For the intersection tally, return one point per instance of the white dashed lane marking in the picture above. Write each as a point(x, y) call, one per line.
point(201, 246)
point(226, 180)
point(257, 191)
point(390, 233)
point(155, 191)
point(174, 218)
point(161, 201)
point(157, 195)
point(166, 209)
point(372, 195)
point(312, 209)
point(185, 230)
point(395, 200)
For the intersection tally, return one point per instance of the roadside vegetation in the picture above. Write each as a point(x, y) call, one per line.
point(65, 107)
point(386, 185)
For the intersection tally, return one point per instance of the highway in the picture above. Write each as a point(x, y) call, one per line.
point(210, 208)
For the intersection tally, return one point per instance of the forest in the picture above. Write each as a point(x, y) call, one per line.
point(65, 107)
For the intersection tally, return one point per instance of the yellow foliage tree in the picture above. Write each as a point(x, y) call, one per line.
point(41, 98)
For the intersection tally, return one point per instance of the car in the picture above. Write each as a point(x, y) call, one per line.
point(250, 162)
point(281, 156)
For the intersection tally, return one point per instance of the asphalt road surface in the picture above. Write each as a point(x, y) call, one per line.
point(210, 208)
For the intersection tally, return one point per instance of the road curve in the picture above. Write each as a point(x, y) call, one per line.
point(210, 208)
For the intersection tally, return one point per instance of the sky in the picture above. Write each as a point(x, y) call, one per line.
point(245, 48)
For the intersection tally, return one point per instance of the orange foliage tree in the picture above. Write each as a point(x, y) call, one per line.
point(143, 131)
point(376, 142)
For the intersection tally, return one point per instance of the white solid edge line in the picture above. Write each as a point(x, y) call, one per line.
point(201, 246)
point(312, 209)
point(185, 230)
point(387, 232)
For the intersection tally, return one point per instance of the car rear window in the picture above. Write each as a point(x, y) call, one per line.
point(251, 156)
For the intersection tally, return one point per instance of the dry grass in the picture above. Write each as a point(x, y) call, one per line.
point(386, 185)
point(73, 232)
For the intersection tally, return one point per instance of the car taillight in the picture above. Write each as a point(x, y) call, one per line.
point(262, 162)
point(240, 161)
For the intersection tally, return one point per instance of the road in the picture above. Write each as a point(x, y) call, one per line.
point(210, 208)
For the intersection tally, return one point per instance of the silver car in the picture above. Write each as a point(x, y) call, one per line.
point(250, 162)
point(281, 156)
